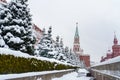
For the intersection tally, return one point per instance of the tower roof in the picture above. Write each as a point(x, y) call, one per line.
point(115, 40)
point(76, 33)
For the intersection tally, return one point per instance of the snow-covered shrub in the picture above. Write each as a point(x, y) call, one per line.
point(11, 64)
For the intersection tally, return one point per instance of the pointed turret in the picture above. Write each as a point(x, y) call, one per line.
point(76, 37)
point(115, 40)
point(76, 32)
point(76, 46)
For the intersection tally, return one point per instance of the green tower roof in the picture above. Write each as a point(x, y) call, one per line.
point(76, 33)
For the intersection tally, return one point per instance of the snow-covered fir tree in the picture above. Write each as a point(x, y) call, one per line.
point(67, 54)
point(62, 56)
point(5, 17)
point(17, 31)
point(43, 31)
point(59, 55)
point(44, 48)
point(72, 58)
point(2, 43)
point(50, 48)
point(55, 49)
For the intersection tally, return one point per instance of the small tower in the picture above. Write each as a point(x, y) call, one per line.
point(115, 41)
point(76, 45)
point(115, 47)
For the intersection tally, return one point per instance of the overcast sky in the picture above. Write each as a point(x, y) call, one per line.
point(98, 19)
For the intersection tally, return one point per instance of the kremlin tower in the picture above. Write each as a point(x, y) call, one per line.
point(115, 50)
point(77, 50)
point(76, 45)
point(115, 47)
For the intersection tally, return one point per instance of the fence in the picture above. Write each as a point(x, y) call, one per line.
point(108, 70)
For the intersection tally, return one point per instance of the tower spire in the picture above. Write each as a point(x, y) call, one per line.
point(76, 32)
point(76, 46)
point(115, 39)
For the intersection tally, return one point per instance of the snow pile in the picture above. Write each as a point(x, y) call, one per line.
point(13, 52)
point(83, 70)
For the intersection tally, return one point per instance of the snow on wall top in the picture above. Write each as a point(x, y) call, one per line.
point(25, 55)
point(28, 74)
point(110, 61)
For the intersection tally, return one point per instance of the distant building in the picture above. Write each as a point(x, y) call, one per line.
point(115, 48)
point(38, 33)
point(108, 56)
point(3, 1)
point(76, 49)
point(115, 51)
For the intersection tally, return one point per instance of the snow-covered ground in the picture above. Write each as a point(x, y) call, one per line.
point(70, 76)
point(11, 76)
point(74, 76)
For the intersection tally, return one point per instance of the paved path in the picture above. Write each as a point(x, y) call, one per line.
point(73, 76)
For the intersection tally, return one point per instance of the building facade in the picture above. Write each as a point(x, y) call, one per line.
point(86, 59)
point(3, 1)
point(115, 50)
point(38, 33)
point(77, 50)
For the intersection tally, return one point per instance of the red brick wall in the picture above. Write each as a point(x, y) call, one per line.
point(86, 59)
point(116, 50)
